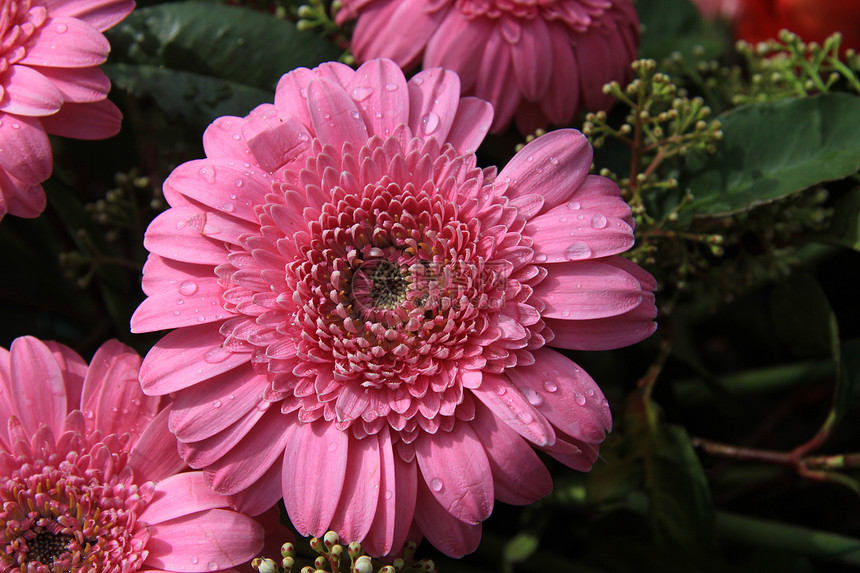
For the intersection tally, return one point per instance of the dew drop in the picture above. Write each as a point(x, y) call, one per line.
point(550, 385)
point(418, 80)
point(304, 93)
point(431, 122)
point(88, 414)
point(525, 417)
point(501, 390)
point(436, 484)
point(62, 28)
point(577, 251)
point(589, 392)
point(208, 174)
point(562, 220)
point(216, 404)
point(598, 222)
point(378, 114)
point(332, 446)
point(187, 288)
point(553, 160)
point(303, 137)
point(534, 398)
point(213, 566)
point(216, 355)
point(227, 207)
point(237, 137)
point(16, 125)
point(175, 313)
point(391, 87)
point(201, 319)
point(574, 205)
point(530, 158)
point(195, 560)
point(388, 494)
point(355, 114)
point(541, 258)
point(579, 398)
point(238, 183)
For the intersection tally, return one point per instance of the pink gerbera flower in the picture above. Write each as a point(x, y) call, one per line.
point(89, 476)
point(537, 62)
point(50, 83)
point(361, 313)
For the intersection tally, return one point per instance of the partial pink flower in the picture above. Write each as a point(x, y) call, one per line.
point(361, 314)
point(536, 62)
point(89, 474)
point(713, 9)
point(50, 84)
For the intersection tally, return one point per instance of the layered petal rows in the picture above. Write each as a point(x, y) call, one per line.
point(361, 315)
point(90, 479)
point(50, 83)
point(536, 62)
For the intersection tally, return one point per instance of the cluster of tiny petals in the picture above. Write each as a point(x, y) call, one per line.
point(577, 14)
point(71, 506)
point(408, 270)
point(19, 20)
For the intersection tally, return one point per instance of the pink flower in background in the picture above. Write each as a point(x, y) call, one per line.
point(536, 62)
point(361, 314)
point(89, 473)
point(50, 84)
point(726, 9)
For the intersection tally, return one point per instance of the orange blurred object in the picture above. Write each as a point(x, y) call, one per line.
point(813, 20)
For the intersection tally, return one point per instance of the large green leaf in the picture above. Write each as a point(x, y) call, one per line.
point(672, 26)
point(196, 98)
point(845, 226)
point(772, 150)
point(235, 44)
point(803, 319)
point(848, 389)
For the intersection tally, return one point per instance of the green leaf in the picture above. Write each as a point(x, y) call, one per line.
point(848, 388)
point(803, 319)
point(672, 26)
point(235, 44)
point(197, 99)
point(771, 150)
point(845, 226)
point(521, 547)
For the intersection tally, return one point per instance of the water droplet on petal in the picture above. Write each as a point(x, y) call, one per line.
point(355, 114)
point(589, 392)
point(388, 494)
point(188, 288)
point(540, 258)
point(195, 560)
point(501, 390)
point(577, 251)
point(574, 205)
point(550, 385)
point(553, 160)
point(227, 207)
point(238, 182)
point(562, 220)
point(175, 313)
point(216, 404)
point(579, 398)
point(436, 484)
point(216, 355)
point(534, 398)
point(530, 158)
point(304, 93)
point(598, 222)
point(16, 125)
point(332, 446)
point(213, 566)
point(361, 94)
point(391, 87)
point(237, 137)
point(62, 28)
point(525, 417)
point(431, 122)
point(208, 174)
point(418, 80)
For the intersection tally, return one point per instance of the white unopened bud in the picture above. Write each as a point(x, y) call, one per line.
point(363, 565)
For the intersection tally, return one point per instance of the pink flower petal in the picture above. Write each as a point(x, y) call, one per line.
point(361, 490)
point(495, 74)
point(187, 356)
point(223, 138)
point(572, 453)
point(19, 198)
point(37, 386)
point(595, 61)
point(261, 496)
point(519, 477)
point(455, 37)
point(206, 409)
point(334, 115)
point(253, 455)
point(396, 506)
point(74, 370)
point(320, 450)
point(379, 90)
point(275, 138)
point(607, 333)
point(168, 309)
point(66, 43)
point(154, 456)
point(194, 236)
point(434, 96)
point(230, 189)
point(208, 451)
point(90, 120)
point(455, 468)
point(563, 95)
point(566, 395)
point(78, 84)
point(532, 59)
point(26, 149)
point(512, 408)
point(587, 289)
point(471, 124)
point(205, 541)
point(27, 92)
point(395, 29)
point(448, 534)
point(179, 495)
point(100, 14)
point(563, 234)
point(553, 165)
